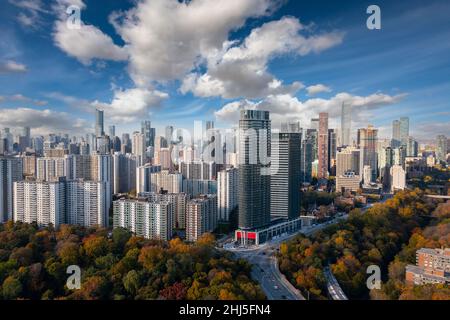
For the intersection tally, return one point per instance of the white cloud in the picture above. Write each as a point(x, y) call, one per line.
point(31, 15)
point(12, 67)
point(241, 70)
point(285, 106)
point(87, 43)
point(131, 105)
point(42, 121)
point(318, 88)
point(169, 38)
point(22, 98)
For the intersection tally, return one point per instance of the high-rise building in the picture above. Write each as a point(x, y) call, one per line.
point(199, 170)
point(163, 157)
point(349, 169)
point(42, 202)
point(367, 142)
point(88, 202)
point(11, 170)
point(441, 148)
point(50, 169)
point(254, 169)
point(195, 187)
point(168, 135)
point(412, 147)
point(112, 131)
point(124, 177)
point(170, 182)
point(306, 160)
point(149, 219)
point(404, 130)
point(398, 178)
point(138, 148)
point(346, 122)
point(322, 148)
point(143, 177)
point(178, 201)
point(99, 127)
point(285, 175)
point(396, 134)
point(227, 192)
point(148, 132)
point(201, 216)
point(332, 149)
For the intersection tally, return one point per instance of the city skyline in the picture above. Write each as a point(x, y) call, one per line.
point(309, 72)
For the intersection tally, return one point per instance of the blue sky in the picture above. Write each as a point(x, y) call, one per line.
point(175, 63)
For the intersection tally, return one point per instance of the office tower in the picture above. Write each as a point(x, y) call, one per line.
point(124, 172)
point(11, 170)
point(367, 142)
point(285, 175)
point(42, 202)
point(332, 149)
point(404, 130)
point(385, 162)
point(396, 134)
point(195, 187)
point(199, 170)
point(37, 143)
point(171, 182)
point(398, 178)
point(346, 122)
point(291, 126)
point(138, 148)
point(254, 169)
point(178, 201)
point(412, 147)
point(201, 216)
point(88, 202)
point(441, 148)
point(148, 219)
point(227, 188)
point(112, 131)
point(148, 132)
point(349, 169)
point(322, 148)
point(116, 145)
point(168, 135)
point(143, 177)
point(99, 129)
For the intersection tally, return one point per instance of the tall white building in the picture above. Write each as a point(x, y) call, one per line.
point(227, 188)
point(50, 169)
point(201, 216)
point(149, 219)
point(349, 169)
point(88, 203)
point(11, 170)
point(42, 202)
point(398, 178)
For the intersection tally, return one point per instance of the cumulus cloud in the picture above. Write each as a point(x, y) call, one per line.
point(42, 121)
point(169, 38)
point(318, 88)
point(241, 69)
point(131, 104)
point(285, 106)
point(11, 66)
point(31, 14)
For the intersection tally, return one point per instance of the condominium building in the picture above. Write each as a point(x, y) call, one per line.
point(42, 202)
point(285, 175)
point(227, 192)
point(143, 177)
point(322, 144)
point(201, 216)
point(195, 187)
point(349, 169)
point(178, 201)
point(198, 170)
point(124, 177)
point(149, 219)
point(367, 142)
point(397, 178)
point(171, 182)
